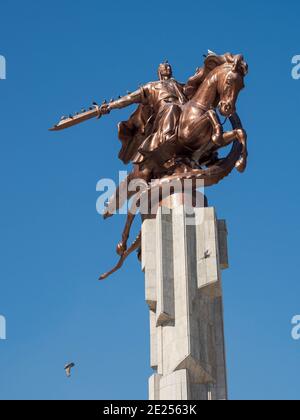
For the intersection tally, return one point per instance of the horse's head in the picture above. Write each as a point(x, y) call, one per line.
point(230, 83)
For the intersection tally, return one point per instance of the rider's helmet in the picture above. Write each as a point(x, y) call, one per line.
point(165, 71)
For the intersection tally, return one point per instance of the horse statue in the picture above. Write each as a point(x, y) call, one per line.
point(176, 133)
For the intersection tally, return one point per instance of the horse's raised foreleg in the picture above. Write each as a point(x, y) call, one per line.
point(220, 139)
point(197, 132)
point(242, 162)
point(216, 125)
point(240, 135)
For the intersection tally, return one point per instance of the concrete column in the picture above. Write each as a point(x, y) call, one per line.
point(183, 254)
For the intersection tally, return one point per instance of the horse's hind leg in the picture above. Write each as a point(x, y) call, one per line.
point(123, 192)
point(122, 246)
point(135, 246)
point(120, 197)
point(145, 177)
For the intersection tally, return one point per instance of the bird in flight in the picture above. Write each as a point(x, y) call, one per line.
point(68, 368)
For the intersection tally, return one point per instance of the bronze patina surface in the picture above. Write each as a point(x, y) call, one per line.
point(176, 132)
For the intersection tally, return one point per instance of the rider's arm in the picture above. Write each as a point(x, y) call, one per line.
point(130, 99)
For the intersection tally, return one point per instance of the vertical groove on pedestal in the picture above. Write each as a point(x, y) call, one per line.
point(149, 265)
point(223, 249)
point(164, 267)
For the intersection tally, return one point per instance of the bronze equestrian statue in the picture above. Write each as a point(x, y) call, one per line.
point(176, 133)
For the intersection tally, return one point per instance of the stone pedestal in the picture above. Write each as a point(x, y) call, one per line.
point(182, 257)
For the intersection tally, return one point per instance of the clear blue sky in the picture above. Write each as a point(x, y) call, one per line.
point(63, 54)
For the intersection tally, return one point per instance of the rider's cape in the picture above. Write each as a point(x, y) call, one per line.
point(133, 133)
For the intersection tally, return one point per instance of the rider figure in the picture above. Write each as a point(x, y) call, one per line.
point(164, 97)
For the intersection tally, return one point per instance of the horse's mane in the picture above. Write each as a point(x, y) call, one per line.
point(213, 61)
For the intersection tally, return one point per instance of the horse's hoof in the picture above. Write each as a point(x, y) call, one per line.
point(121, 248)
point(241, 165)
